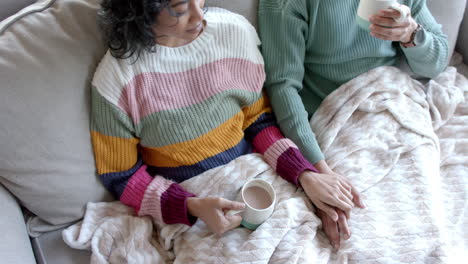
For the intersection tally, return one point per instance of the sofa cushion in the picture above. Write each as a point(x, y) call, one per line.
point(15, 247)
point(50, 249)
point(450, 15)
point(10, 7)
point(48, 54)
point(462, 40)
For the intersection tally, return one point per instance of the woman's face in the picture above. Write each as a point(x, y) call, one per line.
point(180, 23)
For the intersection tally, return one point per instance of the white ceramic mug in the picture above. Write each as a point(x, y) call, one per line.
point(257, 209)
point(368, 8)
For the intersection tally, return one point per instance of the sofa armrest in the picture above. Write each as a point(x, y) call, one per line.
point(462, 42)
point(15, 246)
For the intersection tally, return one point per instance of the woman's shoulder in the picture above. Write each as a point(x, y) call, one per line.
point(226, 21)
point(111, 73)
point(221, 15)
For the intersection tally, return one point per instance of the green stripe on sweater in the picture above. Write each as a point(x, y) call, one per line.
point(188, 123)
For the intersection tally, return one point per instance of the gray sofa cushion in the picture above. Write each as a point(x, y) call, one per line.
point(450, 15)
point(50, 249)
point(462, 42)
point(10, 7)
point(15, 247)
point(47, 58)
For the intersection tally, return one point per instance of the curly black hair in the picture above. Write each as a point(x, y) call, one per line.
point(128, 25)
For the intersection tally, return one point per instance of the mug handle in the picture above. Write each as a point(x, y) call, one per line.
point(404, 12)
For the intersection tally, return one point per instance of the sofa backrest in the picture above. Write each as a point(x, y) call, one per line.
point(449, 14)
point(10, 7)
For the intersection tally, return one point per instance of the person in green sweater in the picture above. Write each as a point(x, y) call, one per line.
point(311, 47)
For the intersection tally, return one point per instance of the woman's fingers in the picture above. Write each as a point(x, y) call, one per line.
point(341, 202)
point(356, 196)
point(328, 210)
point(230, 205)
point(223, 223)
point(390, 13)
point(343, 225)
point(383, 21)
point(357, 200)
point(330, 228)
point(234, 221)
point(346, 192)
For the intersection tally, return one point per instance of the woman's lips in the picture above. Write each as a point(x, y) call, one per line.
point(196, 29)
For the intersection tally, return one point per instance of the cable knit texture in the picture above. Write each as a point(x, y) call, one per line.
point(178, 112)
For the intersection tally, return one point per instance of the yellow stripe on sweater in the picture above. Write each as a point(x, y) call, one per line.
point(220, 139)
point(114, 154)
point(255, 110)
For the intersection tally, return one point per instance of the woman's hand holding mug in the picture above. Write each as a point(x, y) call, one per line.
point(220, 215)
point(386, 19)
point(212, 211)
point(384, 26)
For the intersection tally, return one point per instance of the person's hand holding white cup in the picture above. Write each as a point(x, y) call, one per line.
point(259, 198)
point(388, 20)
point(368, 8)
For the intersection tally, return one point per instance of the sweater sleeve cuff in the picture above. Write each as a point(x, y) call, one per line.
point(312, 152)
point(174, 206)
point(291, 164)
point(422, 47)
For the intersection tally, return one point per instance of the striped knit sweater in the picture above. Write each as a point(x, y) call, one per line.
point(311, 47)
point(178, 112)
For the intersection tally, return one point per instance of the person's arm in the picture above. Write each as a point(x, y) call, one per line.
point(430, 55)
point(281, 153)
point(124, 174)
point(324, 190)
point(283, 28)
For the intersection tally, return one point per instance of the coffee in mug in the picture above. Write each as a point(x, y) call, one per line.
point(368, 8)
point(259, 198)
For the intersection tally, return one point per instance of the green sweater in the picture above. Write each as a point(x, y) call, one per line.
point(311, 47)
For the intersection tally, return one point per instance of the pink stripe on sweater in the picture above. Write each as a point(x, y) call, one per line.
point(151, 204)
point(152, 92)
point(276, 150)
point(265, 138)
point(135, 188)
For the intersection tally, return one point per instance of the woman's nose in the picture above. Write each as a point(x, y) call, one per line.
point(196, 11)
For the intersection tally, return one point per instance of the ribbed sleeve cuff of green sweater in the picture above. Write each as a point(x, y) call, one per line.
point(312, 152)
point(422, 47)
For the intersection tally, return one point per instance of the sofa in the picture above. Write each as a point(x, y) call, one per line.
point(49, 50)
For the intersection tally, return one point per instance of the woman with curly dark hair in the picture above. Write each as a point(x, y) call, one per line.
point(179, 93)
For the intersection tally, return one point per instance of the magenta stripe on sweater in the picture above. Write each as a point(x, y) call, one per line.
point(135, 188)
point(174, 206)
point(151, 204)
point(265, 138)
point(151, 92)
point(291, 164)
point(276, 150)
